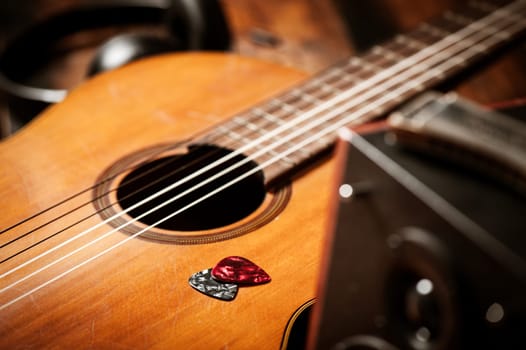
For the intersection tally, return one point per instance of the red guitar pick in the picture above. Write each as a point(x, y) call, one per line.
point(236, 269)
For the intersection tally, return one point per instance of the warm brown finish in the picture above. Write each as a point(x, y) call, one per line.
point(312, 37)
point(310, 33)
point(138, 295)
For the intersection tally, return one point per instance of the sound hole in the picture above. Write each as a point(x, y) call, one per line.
point(194, 205)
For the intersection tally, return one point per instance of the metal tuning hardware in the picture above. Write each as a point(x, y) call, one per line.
point(461, 131)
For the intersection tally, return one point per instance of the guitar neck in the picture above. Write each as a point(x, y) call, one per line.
point(291, 128)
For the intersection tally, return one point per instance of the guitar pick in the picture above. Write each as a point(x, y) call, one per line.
point(203, 282)
point(236, 269)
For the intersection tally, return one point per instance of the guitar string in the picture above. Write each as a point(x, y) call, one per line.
point(128, 182)
point(210, 140)
point(245, 132)
point(394, 80)
point(99, 183)
point(71, 197)
point(113, 176)
point(249, 117)
point(66, 213)
point(331, 129)
point(263, 165)
point(319, 80)
point(65, 200)
point(407, 87)
point(111, 204)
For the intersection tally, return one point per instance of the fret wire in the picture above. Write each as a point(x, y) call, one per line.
point(294, 98)
point(331, 75)
point(267, 116)
point(272, 152)
point(327, 87)
point(428, 34)
point(277, 106)
point(248, 117)
point(417, 85)
point(242, 140)
point(305, 102)
point(305, 142)
point(316, 92)
point(392, 55)
point(497, 39)
point(432, 30)
point(410, 42)
point(456, 62)
point(230, 137)
point(313, 99)
point(427, 37)
point(360, 76)
point(469, 53)
point(334, 71)
point(380, 58)
point(463, 20)
point(470, 16)
point(400, 49)
point(265, 165)
point(311, 84)
point(437, 72)
point(367, 66)
point(350, 72)
point(324, 87)
point(322, 141)
point(310, 131)
point(254, 115)
point(348, 77)
point(278, 121)
point(217, 133)
point(472, 53)
point(327, 76)
point(476, 47)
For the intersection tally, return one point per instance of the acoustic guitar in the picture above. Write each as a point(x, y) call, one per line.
point(146, 175)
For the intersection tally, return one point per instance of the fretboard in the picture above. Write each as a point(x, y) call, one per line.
point(295, 126)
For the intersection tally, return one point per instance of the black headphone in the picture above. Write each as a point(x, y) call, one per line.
point(144, 27)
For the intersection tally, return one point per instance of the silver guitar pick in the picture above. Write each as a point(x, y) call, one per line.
point(203, 282)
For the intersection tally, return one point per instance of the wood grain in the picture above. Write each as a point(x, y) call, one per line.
point(310, 33)
point(138, 295)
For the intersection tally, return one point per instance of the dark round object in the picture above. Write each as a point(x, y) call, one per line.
point(126, 48)
point(29, 62)
point(205, 201)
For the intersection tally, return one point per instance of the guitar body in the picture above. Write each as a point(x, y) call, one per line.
point(137, 295)
point(74, 273)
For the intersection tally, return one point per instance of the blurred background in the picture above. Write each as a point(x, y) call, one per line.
point(305, 34)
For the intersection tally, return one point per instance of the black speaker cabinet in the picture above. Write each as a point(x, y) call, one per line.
point(422, 255)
